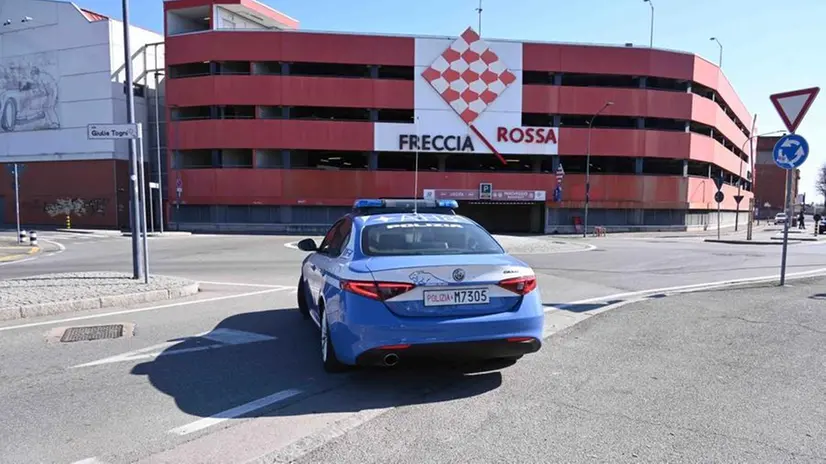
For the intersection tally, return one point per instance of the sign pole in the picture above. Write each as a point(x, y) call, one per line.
point(17, 200)
point(791, 151)
point(142, 185)
point(789, 180)
point(133, 159)
point(718, 221)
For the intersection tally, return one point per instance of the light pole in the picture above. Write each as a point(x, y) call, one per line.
point(588, 166)
point(135, 174)
point(720, 61)
point(651, 29)
point(740, 175)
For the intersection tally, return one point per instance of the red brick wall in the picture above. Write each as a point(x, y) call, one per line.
point(88, 189)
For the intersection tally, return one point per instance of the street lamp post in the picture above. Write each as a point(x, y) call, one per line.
point(588, 166)
point(651, 29)
point(740, 176)
point(720, 61)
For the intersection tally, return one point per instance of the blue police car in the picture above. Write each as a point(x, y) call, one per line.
point(395, 279)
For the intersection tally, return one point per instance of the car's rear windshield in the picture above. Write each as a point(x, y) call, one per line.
point(427, 238)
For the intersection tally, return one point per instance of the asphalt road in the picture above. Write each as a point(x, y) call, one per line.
point(173, 391)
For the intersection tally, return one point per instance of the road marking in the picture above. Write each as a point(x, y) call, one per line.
point(235, 412)
point(60, 249)
point(222, 338)
point(689, 288)
point(149, 308)
point(238, 284)
point(293, 245)
point(92, 460)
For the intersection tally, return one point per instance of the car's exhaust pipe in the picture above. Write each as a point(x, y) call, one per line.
point(391, 359)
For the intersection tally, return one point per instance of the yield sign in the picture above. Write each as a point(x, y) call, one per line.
point(792, 106)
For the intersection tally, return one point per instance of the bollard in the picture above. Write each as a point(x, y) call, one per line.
point(22, 238)
point(68, 222)
point(33, 238)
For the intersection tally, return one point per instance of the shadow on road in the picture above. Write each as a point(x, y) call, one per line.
point(818, 296)
point(206, 378)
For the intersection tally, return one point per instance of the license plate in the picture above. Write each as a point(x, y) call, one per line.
point(465, 296)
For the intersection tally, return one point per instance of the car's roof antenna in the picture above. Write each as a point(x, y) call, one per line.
point(416, 173)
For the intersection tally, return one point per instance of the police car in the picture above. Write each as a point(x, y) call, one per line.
point(396, 279)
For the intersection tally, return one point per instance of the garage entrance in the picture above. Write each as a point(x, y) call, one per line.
point(504, 217)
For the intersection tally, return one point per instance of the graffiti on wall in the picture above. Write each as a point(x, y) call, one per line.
point(29, 93)
point(76, 207)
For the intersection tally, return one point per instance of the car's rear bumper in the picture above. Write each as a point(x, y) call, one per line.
point(486, 349)
point(367, 326)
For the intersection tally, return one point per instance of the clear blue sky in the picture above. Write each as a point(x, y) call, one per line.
point(770, 46)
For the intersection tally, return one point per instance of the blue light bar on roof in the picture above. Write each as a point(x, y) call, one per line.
point(368, 203)
point(407, 204)
point(447, 203)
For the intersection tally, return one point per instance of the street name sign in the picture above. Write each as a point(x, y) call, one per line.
point(113, 131)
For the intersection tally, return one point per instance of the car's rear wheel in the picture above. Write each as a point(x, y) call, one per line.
point(301, 297)
point(328, 352)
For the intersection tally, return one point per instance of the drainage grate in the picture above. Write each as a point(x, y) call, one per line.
point(98, 332)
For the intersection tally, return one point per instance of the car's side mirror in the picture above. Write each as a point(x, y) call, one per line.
point(307, 244)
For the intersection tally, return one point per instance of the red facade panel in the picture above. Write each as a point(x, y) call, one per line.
point(318, 187)
point(606, 60)
point(290, 90)
point(587, 100)
point(274, 133)
point(289, 46)
point(710, 113)
point(710, 75)
point(701, 195)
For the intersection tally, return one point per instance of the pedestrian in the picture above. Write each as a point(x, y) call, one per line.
point(817, 219)
point(800, 221)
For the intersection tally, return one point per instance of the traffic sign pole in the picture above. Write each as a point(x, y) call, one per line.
point(791, 151)
point(17, 199)
point(789, 180)
point(718, 221)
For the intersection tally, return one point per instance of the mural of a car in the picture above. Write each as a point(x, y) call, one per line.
point(23, 105)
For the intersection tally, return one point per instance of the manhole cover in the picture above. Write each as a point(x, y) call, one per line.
point(98, 332)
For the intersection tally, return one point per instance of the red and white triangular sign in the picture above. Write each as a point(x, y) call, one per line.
point(792, 106)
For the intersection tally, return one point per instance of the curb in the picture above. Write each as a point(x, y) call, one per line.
point(89, 231)
point(85, 304)
point(749, 242)
point(159, 234)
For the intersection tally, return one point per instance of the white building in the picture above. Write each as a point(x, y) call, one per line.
point(62, 68)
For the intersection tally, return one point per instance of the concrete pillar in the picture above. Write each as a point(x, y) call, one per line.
point(286, 214)
point(558, 79)
point(557, 120)
point(640, 123)
point(643, 82)
point(638, 165)
point(687, 127)
point(285, 112)
point(688, 87)
point(442, 162)
point(286, 162)
point(373, 160)
point(285, 69)
point(216, 158)
point(685, 168)
point(537, 165)
point(555, 165)
point(374, 115)
point(374, 72)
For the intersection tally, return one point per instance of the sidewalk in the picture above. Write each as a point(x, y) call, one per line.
point(770, 235)
point(60, 293)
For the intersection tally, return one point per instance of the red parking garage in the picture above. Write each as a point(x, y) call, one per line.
point(277, 129)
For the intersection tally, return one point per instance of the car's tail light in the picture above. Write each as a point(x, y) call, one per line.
point(519, 285)
point(376, 290)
